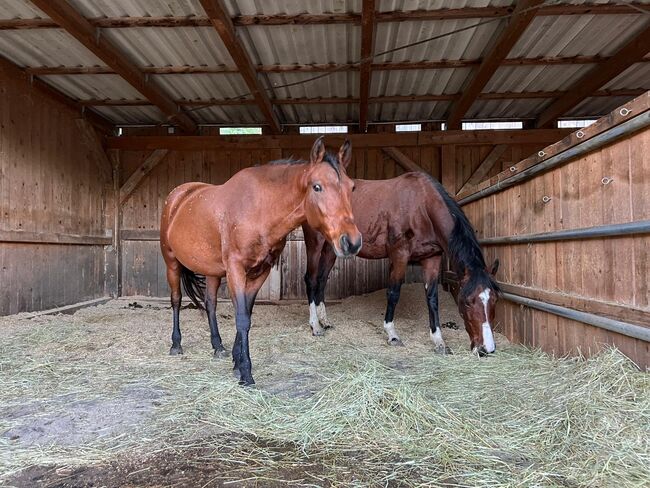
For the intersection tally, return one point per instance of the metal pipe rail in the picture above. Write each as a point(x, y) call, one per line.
point(624, 328)
point(609, 230)
point(632, 125)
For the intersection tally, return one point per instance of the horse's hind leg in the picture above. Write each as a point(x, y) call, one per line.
point(398, 263)
point(174, 280)
point(211, 287)
point(431, 271)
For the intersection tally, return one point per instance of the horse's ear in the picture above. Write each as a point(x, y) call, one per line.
point(345, 153)
point(495, 267)
point(317, 151)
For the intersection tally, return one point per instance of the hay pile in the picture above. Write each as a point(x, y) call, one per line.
point(344, 410)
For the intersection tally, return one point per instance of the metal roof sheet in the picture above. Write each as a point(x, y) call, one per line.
point(101, 87)
point(418, 82)
point(132, 115)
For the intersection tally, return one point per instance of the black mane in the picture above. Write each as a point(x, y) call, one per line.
point(329, 158)
point(465, 252)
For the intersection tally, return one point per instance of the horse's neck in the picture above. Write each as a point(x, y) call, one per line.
point(289, 210)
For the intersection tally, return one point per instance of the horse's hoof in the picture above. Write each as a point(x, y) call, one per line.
point(395, 341)
point(317, 332)
point(176, 351)
point(443, 350)
point(247, 382)
point(327, 325)
point(220, 354)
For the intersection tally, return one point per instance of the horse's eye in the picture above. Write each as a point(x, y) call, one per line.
point(317, 187)
point(354, 188)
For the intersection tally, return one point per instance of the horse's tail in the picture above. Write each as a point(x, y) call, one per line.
point(194, 286)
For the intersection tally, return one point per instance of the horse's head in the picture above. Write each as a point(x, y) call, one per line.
point(477, 300)
point(327, 200)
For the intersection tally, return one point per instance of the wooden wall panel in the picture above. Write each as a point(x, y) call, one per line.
point(49, 183)
point(611, 270)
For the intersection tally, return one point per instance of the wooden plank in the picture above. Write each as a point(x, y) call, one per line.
point(136, 178)
point(83, 31)
point(485, 167)
point(632, 52)
point(94, 144)
point(54, 238)
point(448, 161)
point(522, 16)
point(222, 22)
point(402, 159)
point(367, 43)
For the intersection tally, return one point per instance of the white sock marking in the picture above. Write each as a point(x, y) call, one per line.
point(322, 313)
point(488, 338)
point(313, 318)
point(436, 337)
point(389, 327)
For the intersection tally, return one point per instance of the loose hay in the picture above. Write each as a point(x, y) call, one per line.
point(346, 409)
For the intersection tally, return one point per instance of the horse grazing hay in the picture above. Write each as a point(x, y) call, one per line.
point(94, 397)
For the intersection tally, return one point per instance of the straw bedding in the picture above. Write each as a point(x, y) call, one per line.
point(97, 391)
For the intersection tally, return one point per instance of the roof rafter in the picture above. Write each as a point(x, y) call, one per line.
point(78, 27)
point(522, 17)
point(367, 43)
point(632, 52)
point(223, 25)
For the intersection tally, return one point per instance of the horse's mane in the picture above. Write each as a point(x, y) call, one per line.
point(329, 158)
point(465, 252)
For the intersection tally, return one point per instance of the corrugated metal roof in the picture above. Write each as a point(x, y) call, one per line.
point(576, 35)
point(595, 106)
point(178, 46)
point(45, 47)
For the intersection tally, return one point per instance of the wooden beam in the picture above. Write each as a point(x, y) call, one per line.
point(484, 168)
point(292, 142)
point(402, 159)
point(633, 51)
point(83, 31)
point(572, 138)
point(94, 143)
point(448, 168)
point(223, 24)
point(14, 72)
point(367, 43)
point(54, 238)
point(145, 168)
point(332, 18)
point(524, 14)
point(352, 100)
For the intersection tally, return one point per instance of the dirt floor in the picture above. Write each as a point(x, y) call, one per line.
point(93, 399)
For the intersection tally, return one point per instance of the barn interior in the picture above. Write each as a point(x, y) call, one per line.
point(533, 115)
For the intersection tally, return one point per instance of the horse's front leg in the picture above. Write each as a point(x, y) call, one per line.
point(314, 243)
point(325, 265)
point(398, 263)
point(431, 272)
point(243, 293)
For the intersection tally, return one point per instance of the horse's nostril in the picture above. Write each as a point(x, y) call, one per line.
point(345, 244)
point(482, 352)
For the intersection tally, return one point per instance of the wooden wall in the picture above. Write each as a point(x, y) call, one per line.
point(143, 271)
point(607, 276)
point(50, 192)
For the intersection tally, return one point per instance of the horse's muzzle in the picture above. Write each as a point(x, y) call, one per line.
point(349, 248)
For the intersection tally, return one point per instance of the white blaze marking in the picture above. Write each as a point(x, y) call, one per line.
point(389, 327)
point(488, 338)
point(436, 337)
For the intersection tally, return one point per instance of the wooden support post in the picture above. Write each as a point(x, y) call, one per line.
point(484, 168)
point(402, 159)
point(145, 168)
point(114, 220)
point(367, 41)
point(448, 170)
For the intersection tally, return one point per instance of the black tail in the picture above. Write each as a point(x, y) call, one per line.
point(194, 286)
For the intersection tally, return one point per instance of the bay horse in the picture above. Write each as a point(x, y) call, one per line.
point(239, 229)
point(411, 219)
